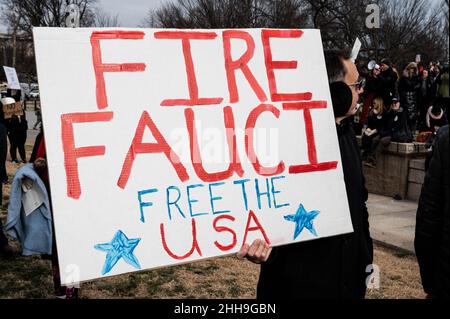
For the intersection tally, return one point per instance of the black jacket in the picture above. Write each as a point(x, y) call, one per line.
point(333, 267)
point(375, 121)
point(388, 87)
point(396, 126)
point(409, 91)
point(432, 225)
point(374, 85)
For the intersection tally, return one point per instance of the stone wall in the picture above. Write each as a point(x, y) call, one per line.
point(400, 170)
point(416, 176)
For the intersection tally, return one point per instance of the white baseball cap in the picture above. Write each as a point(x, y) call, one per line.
point(8, 100)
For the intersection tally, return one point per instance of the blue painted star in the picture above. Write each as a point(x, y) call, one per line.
point(119, 247)
point(303, 219)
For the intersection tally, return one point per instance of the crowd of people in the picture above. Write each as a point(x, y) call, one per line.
point(402, 107)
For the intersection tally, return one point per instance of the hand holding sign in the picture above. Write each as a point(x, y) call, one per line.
point(258, 252)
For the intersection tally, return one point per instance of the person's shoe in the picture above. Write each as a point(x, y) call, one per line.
point(71, 293)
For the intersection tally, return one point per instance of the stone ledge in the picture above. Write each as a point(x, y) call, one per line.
point(400, 170)
point(403, 148)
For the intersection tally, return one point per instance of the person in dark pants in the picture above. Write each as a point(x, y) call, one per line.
point(333, 267)
point(389, 80)
point(5, 248)
point(409, 91)
point(17, 127)
point(432, 241)
point(3, 154)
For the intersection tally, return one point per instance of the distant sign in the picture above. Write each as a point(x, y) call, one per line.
point(356, 49)
point(11, 77)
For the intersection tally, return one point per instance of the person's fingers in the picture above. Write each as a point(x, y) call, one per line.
point(253, 248)
point(260, 250)
point(267, 253)
point(243, 251)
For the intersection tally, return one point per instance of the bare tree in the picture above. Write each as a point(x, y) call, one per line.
point(44, 13)
point(226, 14)
point(20, 16)
point(409, 28)
point(104, 19)
point(445, 12)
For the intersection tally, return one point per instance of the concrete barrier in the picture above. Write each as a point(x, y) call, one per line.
point(400, 170)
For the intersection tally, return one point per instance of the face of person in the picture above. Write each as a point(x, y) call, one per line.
point(351, 79)
point(395, 105)
point(376, 71)
point(425, 73)
point(384, 67)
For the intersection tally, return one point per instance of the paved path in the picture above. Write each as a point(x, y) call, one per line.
point(392, 222)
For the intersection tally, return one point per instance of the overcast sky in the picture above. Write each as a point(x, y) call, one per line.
point(131, 12)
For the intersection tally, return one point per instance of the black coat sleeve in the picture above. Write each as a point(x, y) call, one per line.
point(429, 218)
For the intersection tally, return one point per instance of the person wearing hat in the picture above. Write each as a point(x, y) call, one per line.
point(435, 118)
point(372, 90)
point(396, 127)
point(389, 81)
point(333, 267)
point(17, 130)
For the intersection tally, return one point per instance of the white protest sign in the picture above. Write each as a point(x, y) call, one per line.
point(11, 78)
point(169, 146)
point(356, 49)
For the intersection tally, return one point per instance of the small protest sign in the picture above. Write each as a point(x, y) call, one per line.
point(11, 78)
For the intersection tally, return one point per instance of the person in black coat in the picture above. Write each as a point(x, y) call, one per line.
point(3, 154)
point(432, 240)
point(333, 267)
point(396, 127)
point(5, 249)
point(428, 91)
point(372, 90)
point(371, 136)
point(409, 91)
point(17, 127)
point(389, 81)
